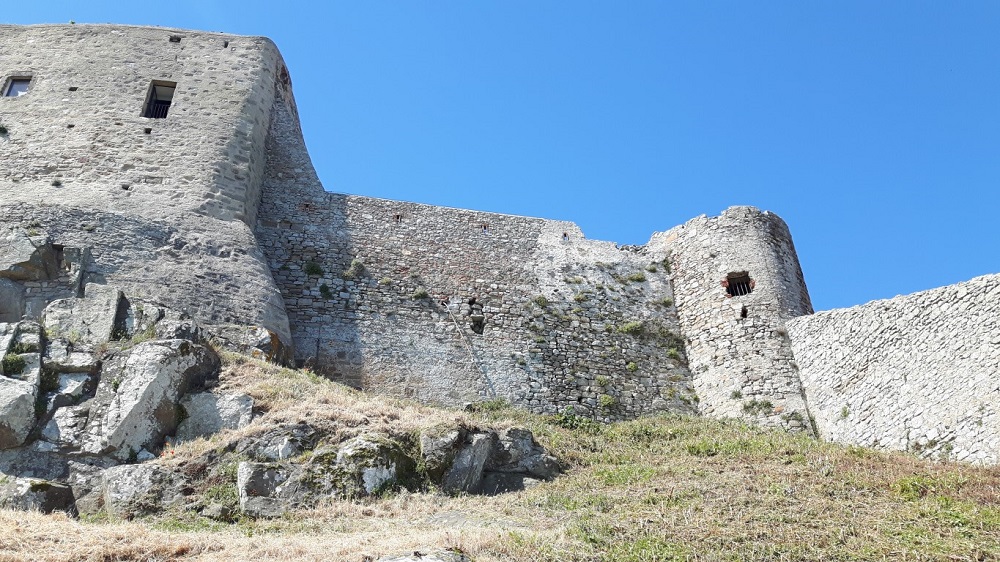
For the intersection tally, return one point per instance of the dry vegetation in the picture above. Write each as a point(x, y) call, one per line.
point(667, 488)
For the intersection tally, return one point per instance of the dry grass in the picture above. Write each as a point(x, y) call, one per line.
point(670, 488)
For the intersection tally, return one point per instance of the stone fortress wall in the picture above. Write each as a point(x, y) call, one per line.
point(917, 372)
point(218, 210)
point(163, 207)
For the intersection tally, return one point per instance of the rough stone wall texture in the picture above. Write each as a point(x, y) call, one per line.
point(164, 206)
point(738, 348)
point(916, 372)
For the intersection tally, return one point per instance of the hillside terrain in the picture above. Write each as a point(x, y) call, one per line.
point(658, 488)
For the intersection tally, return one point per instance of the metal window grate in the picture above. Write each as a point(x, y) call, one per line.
point(739, 284)
point(161, 94)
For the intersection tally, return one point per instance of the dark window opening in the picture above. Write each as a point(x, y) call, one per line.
point(744, 312)
point(161, 94)
point(398, 218)
point(486, 228)
point(17, 87)
point(738, 284)
point(175, 38)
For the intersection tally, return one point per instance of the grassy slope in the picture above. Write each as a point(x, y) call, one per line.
point(666, 488)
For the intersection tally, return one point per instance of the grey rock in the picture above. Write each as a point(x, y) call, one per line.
point(65, 429)
point(34, 495)
point(17, 411)
point(438, 447)
point(209, 413)
point(282, 442)
point(87, 322)
point(517, 451)
point(139, 489)
point(466, 472)
point(24, 257)
point(218, 512)
point(259, 485)
point(431, 556)
point(11, 301)
point(60, 357)
point(136, 401)
point(369, 462)
point(503, 482)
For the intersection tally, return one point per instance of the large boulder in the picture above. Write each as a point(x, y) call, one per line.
point(85, 322)
point(17, 411)
point(208, 413)
point(61, 356)
point(25, 256)
point(32, 494)
point(261, 488)
point(518, 452)
point(138, 489)
point(278, 443)
point(66, 427)
point(136, 401)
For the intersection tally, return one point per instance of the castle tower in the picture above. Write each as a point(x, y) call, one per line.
point(736, 279)
point(144, 148)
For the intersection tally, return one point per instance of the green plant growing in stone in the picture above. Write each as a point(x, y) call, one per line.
point(757, 407)
point(634, 328)
point(631, 367)
point(324, 291)
point(580, 297)
point(540, 300)
point(13, 364)
point(420, 293)
point(602, 380)
point(385, 281)
point(312, 268)
point(355, 270)
point(672, 353)
point(606, 401)
point(844, 412)
point(574, 280)
point(652, 268)
point(665, 301)
point(637, 277)
point(735, 395)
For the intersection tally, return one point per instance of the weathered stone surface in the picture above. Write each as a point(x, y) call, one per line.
point(11, 300)
point(429, 556)
point(369, 462)
point(259, 485)
point(24, 257)
point(17, 411)
point(438, 447)
point(466, 472)
point(60, 357)
point(137, 489)
point(281, 442)
point(136, 402)
point(517, 451)
point(34, 495)
point(66, 427)
point(87, 322)
point(209, 413)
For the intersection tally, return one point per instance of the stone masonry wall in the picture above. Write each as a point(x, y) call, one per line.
point(452, 306)
point(917, 372)
point(739, 350)
point(162, 206)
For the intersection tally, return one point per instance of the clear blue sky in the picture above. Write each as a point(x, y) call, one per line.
point(873, 128)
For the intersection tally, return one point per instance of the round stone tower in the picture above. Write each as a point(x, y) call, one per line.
point(736, 279)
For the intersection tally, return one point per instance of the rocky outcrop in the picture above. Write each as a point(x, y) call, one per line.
point(33, 494)
point(137, 398)
point(207, 413)
point(132, 490)
point(85, 322)
point(431, 556)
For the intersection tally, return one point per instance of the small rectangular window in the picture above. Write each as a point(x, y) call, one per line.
point(17, 86)
point(161, 94)
point(738, 284)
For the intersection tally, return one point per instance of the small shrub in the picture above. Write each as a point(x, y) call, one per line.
point(606, 401)
point(631, 367)
point(356, 269)
point(757, 407)
point(324, 291)
point(540, 300)
point(672, 353)
point(735, 395)
point(602, 380)
point(665, 301)
point(844, 412)
point(385, 281)
point(634, 328)
point(574, 280)
point(313, 268)
point(569, 420)
point(13, 364)
point(637, 277)
point(420, 293)
point(580, 297)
